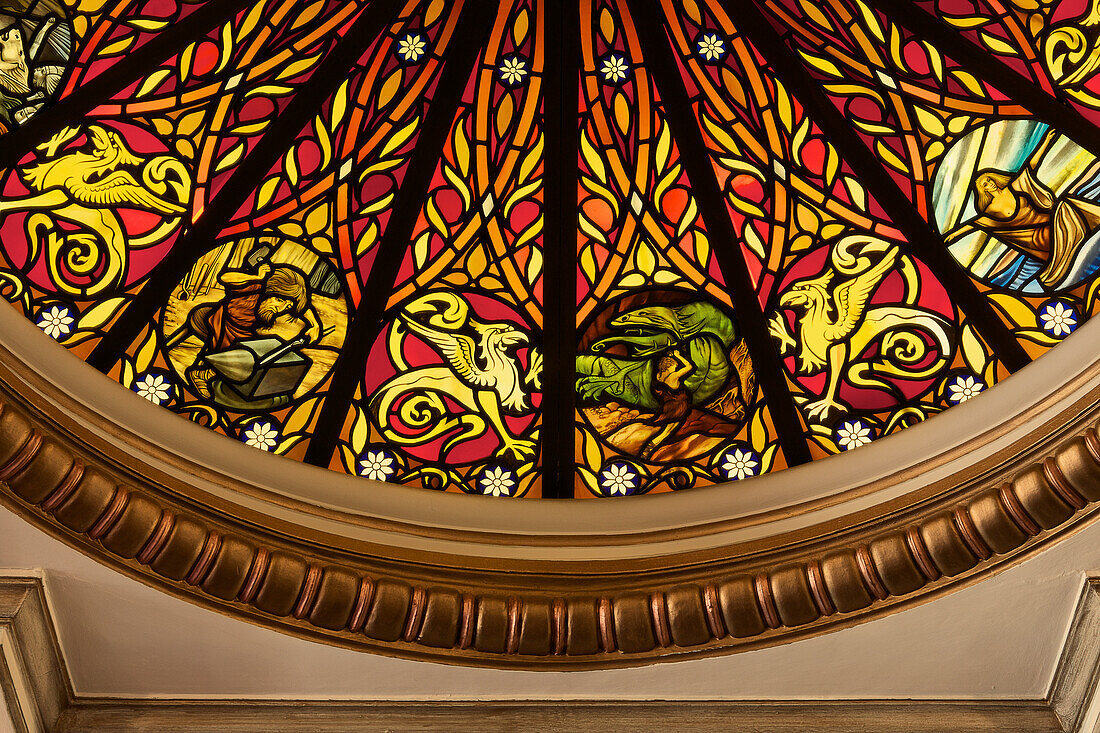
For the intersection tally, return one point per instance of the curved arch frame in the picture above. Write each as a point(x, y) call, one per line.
point(544, 596)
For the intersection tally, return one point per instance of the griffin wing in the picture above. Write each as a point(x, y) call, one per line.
point(121, 189)
point(851, 296)
point(457, 349)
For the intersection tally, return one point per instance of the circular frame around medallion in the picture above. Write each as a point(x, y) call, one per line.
point(587, 584)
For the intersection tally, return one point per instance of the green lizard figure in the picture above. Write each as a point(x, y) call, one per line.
point(702, 332)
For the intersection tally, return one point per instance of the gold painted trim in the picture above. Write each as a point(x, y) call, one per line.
point(40, 696)
point(682, 591)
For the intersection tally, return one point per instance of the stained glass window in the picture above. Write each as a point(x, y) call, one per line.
point(552, 249)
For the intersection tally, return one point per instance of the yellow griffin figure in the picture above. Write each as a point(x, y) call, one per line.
point(834, 323)
point(482, 374)
point(85, 188)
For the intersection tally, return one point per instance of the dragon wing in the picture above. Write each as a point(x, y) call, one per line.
point(457, 349)
point(121, 189)
point(851, 297)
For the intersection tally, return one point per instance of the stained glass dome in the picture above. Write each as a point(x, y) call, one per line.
point(529, 248)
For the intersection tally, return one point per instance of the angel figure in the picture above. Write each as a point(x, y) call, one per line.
point(1025, 214)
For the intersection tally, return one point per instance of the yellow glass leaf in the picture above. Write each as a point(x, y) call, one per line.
point(932, 124)
point(268, 90)
point(996, 45)
point(147, 352)
point(434, 11)
point(461, 148)
point(300, 416)
point(786, 111)
point(390, 87)
point(622, 113)
point(702, 247)
point(593, 159)
point(99, 314)
point(267, 191)
point(1017, 310)
point(290, 165)
point(969, 81)
point(476, 263)
point(520, 27)
point(856, 191)
point(966, 22)
point(504, 115)
point(298, 67)
point(870, 21)
point(229, 159)
point(305, 16)
point(189, 123)
point(317, 219)
point(890, 158)
point(340, 104)
point(588, 264)
point(252, 20)
point(399, 138)
point(692, 10)
point(973, 351)
point(360, 431)
point(118, 46)
point(153, 81)
point(534, 265)
point(758, 432)
point(644, 259)
point(734, 87)
point(822, 64)
point(126, 379)
point(226, 50)
point(607, 26)
point(420, 249)
point(754, 242)
point(147, 24)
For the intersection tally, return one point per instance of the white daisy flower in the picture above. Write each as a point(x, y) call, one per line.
point(619, 478)
point(963, 388)
point(711, 47)
point(57, 322)
point(411, 47)
point(497, 481)
point(614, 69)
point(853, 435)
point(739, 464)
point(513, 70)
point(376, 465)
point(262, 435)
point(154, 387)
point(1058, 319)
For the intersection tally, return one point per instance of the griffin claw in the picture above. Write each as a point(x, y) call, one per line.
point(520, 450)
point(820, 410)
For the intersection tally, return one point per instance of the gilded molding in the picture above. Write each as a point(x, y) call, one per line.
point(616, 617)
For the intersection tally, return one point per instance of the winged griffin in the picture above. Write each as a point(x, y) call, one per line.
point(838, 325)
point(482, 373)
point(85, 189)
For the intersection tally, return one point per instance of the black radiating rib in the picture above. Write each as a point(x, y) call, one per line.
point(198, 240)
point(474, 23)
point(129, 68)
point(871, 173)
point(1057, 113)
point(561, 124)
point(680, 114)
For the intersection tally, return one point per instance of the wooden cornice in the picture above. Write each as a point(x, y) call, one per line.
point(39, 697)
point(199, 532)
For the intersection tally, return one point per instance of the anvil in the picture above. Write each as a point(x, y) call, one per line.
point(261, 368)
